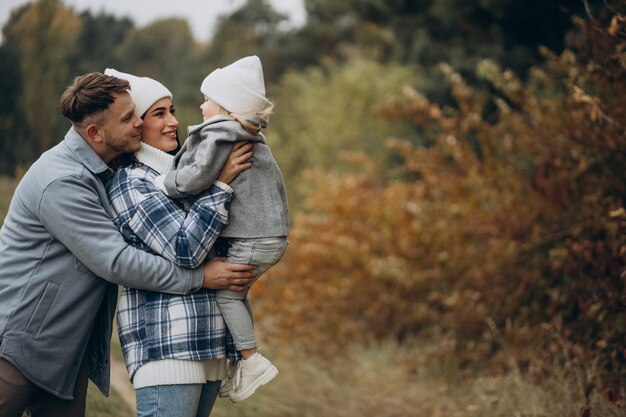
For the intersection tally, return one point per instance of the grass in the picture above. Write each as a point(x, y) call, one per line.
point(421, 379)
point(392, 380)
point(398, 381)
point(99, 406)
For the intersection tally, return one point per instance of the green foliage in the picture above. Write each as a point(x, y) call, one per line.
point(244, 32)
point(12, 125)
point(160, 49)
point(332, 109)
point(257, 29)
point(44, 34)
point(100, 37)
point(165, 50)
point(50, 44)
point(455, 31)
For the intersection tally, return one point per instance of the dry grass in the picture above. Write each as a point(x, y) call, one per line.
point(99, 406)
point(396, 381)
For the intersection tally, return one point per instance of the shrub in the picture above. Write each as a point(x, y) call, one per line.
point(511, 217)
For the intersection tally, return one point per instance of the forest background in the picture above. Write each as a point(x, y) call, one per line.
point(455, 172)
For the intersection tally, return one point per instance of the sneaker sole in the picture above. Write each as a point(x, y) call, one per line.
point(225, 391)
point(266, 377)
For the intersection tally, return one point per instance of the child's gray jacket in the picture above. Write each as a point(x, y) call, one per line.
point(259, 206)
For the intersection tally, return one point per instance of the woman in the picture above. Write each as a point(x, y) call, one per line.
point(175, 347)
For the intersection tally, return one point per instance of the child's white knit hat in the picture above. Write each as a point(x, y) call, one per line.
point(143, 90)
point(239, 87)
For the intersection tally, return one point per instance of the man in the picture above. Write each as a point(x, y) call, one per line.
point(61, 256)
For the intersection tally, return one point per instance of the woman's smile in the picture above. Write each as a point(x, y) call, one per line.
point(160, 126)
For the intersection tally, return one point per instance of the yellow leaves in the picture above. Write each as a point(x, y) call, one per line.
point(558, 256)
point(620, 212)
point(392, 268)
point(617, 27)
point(506, 81)
point(451, 300)
point(594, 111)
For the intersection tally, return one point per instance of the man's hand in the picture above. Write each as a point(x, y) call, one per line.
point(220, 275)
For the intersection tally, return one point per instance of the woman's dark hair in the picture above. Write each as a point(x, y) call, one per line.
point(90, 94)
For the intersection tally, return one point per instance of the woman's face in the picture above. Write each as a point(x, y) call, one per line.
point(159, 125)
point(210, 108)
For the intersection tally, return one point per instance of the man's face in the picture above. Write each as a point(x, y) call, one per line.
point(120, 128)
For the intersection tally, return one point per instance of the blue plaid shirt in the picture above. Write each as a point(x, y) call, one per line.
point(155, 325)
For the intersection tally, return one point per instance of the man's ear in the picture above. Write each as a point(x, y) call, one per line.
point(93, 133)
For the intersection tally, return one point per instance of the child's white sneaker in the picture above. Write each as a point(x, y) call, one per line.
point(251, 374)
point(227, 383)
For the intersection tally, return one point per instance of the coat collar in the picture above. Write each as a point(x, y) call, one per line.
point(229, 124)
point(85, 153)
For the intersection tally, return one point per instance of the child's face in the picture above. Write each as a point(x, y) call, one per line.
point(210, 108)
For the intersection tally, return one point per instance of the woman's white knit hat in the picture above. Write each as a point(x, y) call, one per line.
point(143, 90)
point(239, 87)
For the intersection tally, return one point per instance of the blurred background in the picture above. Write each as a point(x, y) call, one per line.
point(455, 172)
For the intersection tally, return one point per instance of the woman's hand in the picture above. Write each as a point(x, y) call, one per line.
point(237, 161)
point(220, 275)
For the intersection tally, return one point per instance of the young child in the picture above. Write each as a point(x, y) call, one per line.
point(235, 109)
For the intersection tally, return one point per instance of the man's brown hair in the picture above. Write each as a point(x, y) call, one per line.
point(90, 94)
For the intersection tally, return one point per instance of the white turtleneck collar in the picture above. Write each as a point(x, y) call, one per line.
point(156, 159)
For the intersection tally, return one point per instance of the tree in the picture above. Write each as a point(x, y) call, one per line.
point(253, 29)
point(99, 39)
point(46, 33)
point(12, 124)
point(426, 32)
point(166, 51)
point(333, 109)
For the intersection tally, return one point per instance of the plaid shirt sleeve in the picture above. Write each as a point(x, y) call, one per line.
point(161, 224)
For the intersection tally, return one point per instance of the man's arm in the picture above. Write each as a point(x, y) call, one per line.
point(72, 212)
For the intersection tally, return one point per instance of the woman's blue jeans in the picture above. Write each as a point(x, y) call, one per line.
point(187, 400)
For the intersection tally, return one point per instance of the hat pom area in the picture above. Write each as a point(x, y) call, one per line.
point(144, 91)
point(238, 87)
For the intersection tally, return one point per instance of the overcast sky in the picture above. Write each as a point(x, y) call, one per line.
point(201, 14)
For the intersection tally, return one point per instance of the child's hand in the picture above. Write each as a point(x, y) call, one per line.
point(237, 161)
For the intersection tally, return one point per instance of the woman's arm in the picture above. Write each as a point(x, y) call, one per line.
point(163, 226)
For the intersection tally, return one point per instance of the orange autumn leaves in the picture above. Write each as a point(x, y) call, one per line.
point(508, 212)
